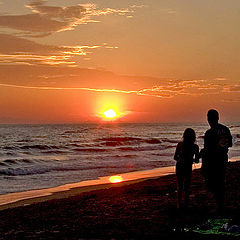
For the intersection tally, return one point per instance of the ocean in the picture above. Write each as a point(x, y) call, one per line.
point(44, 156)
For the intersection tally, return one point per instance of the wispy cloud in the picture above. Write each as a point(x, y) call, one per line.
point(64, 78)
point(19, 50)
point(202, 86)
point(143, 92)
point(231, 100)
point(232, 88)
point(220, 79)
point(45, 20)
point(164, 91)
point(157, 91)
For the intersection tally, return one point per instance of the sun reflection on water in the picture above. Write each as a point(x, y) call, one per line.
point(116, 179)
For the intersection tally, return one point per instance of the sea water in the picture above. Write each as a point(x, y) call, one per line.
point(44, 156)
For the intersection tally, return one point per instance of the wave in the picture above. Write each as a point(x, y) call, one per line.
point(117, 141)
point(235, 126)
point(90, 149)
point(11, 154)
point(24, 140)
point(78, 131)
point(10, 161)
point(9, 148)
point(125, 156)
point(163, 154)
point(16, 161)
point(40, 147)
point(127, 148)
point(22, 171)
point(72, 131)
point(170, 140)
point(79, 145)
point(37, 147)
point(153, 141)
point(55, 152)
point(33, 170)
point(145, 148)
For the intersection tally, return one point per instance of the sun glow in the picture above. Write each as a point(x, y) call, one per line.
point(110, 108)
point(116, 179)
point(110, 114)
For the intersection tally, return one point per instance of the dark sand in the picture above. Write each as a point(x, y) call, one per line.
point(143, 210)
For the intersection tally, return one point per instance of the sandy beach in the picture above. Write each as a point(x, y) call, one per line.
point(144, 209)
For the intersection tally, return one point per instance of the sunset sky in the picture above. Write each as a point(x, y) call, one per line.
point(68, 61)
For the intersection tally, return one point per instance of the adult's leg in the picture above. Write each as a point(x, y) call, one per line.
point(220, 188)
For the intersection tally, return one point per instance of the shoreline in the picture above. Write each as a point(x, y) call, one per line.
point(17, 199)
point(13, 200)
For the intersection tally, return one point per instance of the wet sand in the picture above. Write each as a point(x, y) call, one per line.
point(137, 209)
point(28, 197)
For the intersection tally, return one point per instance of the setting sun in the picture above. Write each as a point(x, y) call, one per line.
point(110, 107)
point(110, 114)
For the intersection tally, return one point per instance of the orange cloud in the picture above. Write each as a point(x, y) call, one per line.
point(74, 78)
point(45, 20)
point(153, 92)
point(232, 88)
point(158, 92)
point(19, 50)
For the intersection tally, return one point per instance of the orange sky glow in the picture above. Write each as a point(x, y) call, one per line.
point(148, 61)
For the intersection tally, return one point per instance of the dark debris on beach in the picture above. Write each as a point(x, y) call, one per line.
point(144, 210)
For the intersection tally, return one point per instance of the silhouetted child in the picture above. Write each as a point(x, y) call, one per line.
point(186, 153)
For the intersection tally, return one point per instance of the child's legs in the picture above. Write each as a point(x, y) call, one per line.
point(187, 183)
point(180, 182)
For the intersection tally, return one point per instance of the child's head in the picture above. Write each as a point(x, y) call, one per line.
point(189, 135)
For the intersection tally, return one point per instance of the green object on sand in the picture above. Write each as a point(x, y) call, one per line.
point(220, 226)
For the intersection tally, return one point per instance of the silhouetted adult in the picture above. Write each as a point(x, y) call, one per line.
point(217, 140)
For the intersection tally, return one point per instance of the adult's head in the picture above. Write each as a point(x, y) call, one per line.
point(213, 117)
